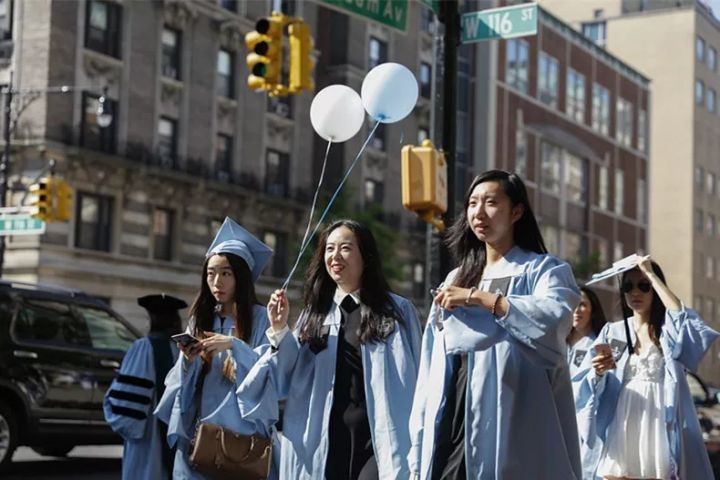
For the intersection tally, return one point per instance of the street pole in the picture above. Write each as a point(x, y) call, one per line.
point(5, 164)
point(450, 17)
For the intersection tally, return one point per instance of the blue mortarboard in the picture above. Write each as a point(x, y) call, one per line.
point(232, 238)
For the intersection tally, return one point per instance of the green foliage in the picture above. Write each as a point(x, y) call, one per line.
point(584, 267)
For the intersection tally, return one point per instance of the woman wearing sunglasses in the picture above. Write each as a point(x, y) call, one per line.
point(643, 421)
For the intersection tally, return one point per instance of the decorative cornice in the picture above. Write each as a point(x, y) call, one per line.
point(179, 13)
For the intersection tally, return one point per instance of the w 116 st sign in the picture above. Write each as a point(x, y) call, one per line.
point(506, 22)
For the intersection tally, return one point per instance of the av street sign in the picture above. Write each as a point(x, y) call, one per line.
point(391, 13)
point(506, 22)
point(20, 224)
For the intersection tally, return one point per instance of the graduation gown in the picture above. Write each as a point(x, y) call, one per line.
point(306, 379)
point(577, 353)
point(128, 407)
point(684, 339)
point(519, 419)
point(217, 401)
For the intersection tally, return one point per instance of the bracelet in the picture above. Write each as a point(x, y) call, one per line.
point(498, 296)
point(472, 290)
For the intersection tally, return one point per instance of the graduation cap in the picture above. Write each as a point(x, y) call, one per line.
point(161, 303)
point(232, 238)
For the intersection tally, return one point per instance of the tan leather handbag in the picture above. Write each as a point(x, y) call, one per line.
point(222, 453)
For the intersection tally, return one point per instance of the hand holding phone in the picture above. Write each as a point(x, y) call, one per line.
point(188, 345)
point(603, 360)
point(184, 339)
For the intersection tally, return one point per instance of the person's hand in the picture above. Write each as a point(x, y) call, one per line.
point(451, 297)
point(602, 363)
point(645, 266)
point(278, 309)
point(190, 351)
point(214, 343)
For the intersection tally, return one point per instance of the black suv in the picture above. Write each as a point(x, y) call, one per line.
point(59, 351)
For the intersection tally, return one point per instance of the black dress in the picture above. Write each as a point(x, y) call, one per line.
point(449, 462)
point(350, 453)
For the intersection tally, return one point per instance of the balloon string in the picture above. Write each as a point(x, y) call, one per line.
point(312, 212)
point(327, 208)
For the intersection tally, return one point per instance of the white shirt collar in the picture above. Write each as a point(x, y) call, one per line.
point(340, 296)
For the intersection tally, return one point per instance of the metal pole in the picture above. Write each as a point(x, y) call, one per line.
point(5, 165)
point(449, 16)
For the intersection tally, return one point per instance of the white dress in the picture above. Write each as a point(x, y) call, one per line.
point(637, 444)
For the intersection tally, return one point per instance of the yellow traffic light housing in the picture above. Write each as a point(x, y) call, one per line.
point(265, 58)
point(424, 182)
point(301, 61)
point(42, 201)
point(63, 201)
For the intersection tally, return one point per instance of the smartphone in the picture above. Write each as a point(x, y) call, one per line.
point(603, 349)
point(184, 339)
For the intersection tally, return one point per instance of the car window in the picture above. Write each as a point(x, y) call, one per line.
point(106, 331)
point(696, 389)
point(50, 322)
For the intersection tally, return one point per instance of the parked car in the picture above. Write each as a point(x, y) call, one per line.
point(59, 351)
point(707, 404)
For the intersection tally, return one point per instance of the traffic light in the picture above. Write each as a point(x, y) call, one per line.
point(63, 201)
point(424, 182)
point(265, 58)
point(301, 61)
point(42, 201)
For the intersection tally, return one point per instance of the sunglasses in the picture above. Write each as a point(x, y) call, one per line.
point(643, 285)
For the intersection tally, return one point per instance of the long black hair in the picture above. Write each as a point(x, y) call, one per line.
point(657, 308)
point(469, 251)
point(203, 308)
point(374, 288)
point(597, 314)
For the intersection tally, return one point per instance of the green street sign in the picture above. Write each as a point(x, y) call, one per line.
point(506, 22)
point(391, 13)
point(21, 224)
point(434, 5)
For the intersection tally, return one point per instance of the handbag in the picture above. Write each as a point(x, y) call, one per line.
point(222, 453)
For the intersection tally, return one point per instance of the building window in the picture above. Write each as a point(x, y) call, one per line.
point(225, 74)
point(575, 101)
point(550, 158)
point(699, 221)
point(277, 167)
point(711, 183)
point(102, 33)
point(619, 192)
point(551, 238)
point(378, 140)
point(278, 262)
point(712, 59)
point(709, 267)
point(374, 192)
point(603, 186)
point(516, 67)
point(624, 129)
point(641, 201)
point(162, 234)
point(6, 20)
point(601, 109)
point(92, 135)
point(698, 305)
point(171, 47)
point(596, 31)
point(699, 178)
point(281, 106)
point(602, 250)
point(709, 312)
point(229, 5)
point(93, 229)
point(223, 157)
point(520, 147)
point(377, 52)
point(711, 225)
point(700, 49)
point(699, 92)
point(642, 131)
point(575, 178)
point(425, 80)
point(618, 251)
point(710, 100)
point(427, 20)
point(418, 276)
point(167, 142)
point(548, 79)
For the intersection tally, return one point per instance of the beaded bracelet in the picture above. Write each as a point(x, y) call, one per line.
point(498, 296)
point(472, 290)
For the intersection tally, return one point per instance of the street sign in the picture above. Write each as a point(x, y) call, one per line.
point(21, 224)
point(434, 5)
point(506, 22)
point(391, 13)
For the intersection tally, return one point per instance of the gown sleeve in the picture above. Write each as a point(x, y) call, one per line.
point(687, 336)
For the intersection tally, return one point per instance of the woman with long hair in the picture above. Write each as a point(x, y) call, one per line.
point(644, 424)
point(230, 327)
point(349, 369)
point(588, 320)
point(495, 400)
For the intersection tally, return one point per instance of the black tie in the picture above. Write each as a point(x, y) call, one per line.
point(348, 304)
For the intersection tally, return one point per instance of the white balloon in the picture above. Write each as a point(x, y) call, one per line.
point(337, 113)
point(389, 92)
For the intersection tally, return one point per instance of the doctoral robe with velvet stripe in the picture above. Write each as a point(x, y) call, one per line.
point(183, 403)
point(684, 339)
point(128, 406)
point(519, 415)
point(306, 379)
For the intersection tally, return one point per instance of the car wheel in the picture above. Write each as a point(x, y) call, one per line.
point(8, 435)
point(53, 450)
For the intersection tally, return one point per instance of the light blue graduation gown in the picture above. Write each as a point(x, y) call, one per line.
point(218, 402)
point(128, 407)
point(306, 379)
point(684, 339)
point(519, 415)
point(577, 353)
